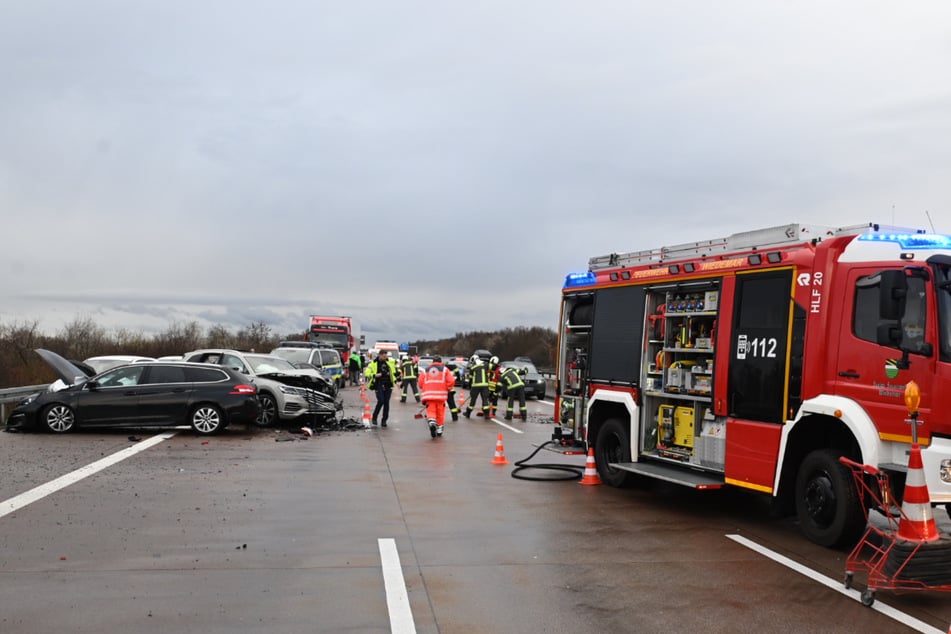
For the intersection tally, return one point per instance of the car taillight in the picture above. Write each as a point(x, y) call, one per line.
point(244, 389)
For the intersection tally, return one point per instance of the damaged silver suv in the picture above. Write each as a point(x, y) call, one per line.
point(287, 394)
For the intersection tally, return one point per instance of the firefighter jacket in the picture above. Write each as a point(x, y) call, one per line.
point(435, 382)
point(479, 375)
point(512, 379)
point(409, 369)
point(493, 371)
point(388, 378)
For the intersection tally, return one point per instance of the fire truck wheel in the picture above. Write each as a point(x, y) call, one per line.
point(827, 504)
point(613, 445)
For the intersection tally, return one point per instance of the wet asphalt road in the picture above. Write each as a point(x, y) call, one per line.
point(241, 533)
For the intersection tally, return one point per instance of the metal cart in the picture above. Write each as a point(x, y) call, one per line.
point(890, 562)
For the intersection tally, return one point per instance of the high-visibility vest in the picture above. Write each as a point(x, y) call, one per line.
point(480, 377)
point(371, 372)
point(512, 379)
point(408, 369)
point(435, 382)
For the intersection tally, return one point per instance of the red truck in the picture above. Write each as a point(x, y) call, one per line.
point(758, 359)
point(336, 331)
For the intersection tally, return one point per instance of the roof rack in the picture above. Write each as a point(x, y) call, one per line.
point(781, 235)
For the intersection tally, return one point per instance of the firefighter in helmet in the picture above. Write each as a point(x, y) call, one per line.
point(493, 371)
point(511, 380)
point(409, 372)
point(478, 386)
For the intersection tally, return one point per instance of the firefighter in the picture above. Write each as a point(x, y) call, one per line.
point(478, 386)
point(408, 373)
point(511, 379)
point(381, 377)
point(493, 372)
point(451, 401)
point(436, 382)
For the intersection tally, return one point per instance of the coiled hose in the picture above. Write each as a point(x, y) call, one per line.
point(574, 472)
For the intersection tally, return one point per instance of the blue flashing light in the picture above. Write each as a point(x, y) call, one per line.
point(580, 279)
point(910, 241)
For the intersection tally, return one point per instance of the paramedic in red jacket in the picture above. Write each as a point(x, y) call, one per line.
point(434, 384)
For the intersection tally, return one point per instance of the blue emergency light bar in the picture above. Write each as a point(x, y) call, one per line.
point(580, 279)
point(910, 241)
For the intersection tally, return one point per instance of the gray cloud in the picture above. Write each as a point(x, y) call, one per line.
point(434, 168)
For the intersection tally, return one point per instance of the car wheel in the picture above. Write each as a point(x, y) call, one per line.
point(541, 397)
point(268, 415)
point(207, 420)
point(59, 418)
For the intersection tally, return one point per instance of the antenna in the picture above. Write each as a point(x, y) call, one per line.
point(929, 221)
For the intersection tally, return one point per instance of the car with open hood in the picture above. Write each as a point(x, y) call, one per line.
point(287, 394)
point(143, 394)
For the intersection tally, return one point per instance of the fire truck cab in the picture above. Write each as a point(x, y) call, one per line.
point(757, 360)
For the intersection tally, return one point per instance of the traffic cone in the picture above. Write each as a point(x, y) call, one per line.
point(590, 470)
point(917, 521)
point(366, 414)
point(462, 398)
point(499, 452)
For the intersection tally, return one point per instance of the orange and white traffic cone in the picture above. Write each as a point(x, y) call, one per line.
point(462, 398)
point(590, 470)
point(917, 521)
point(499, 452)
point(366, 414)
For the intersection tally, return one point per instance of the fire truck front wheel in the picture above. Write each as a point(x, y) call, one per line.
point(827, 504)
point(613, 445)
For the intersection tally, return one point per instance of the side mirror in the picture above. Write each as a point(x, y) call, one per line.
point(894, 291)
point(92, 385)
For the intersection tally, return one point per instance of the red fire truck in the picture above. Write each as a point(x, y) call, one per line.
point(759, 359)
point(336, 331)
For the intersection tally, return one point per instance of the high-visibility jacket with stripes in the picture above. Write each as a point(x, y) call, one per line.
point(512, 379)
point(479, 375)
point(409, 369)
point(435, 382)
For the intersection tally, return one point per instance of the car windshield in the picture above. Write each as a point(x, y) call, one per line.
point(330, 357)
point(103, 364)
point(296, 355)
point(523, 366)
point(263, 364)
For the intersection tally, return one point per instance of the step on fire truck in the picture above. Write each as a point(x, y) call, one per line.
point(759, 359)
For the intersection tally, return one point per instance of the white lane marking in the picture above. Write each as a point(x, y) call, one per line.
point(546, 402)
point(838, 586)
point(498, 422)
point(397, 601)
point(19, 501)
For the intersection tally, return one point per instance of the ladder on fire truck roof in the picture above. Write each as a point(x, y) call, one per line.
point(744, 241)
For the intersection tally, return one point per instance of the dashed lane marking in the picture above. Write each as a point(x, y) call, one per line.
point(397, 600)
point(38, 493)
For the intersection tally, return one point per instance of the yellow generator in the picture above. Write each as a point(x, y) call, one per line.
point(683, 426)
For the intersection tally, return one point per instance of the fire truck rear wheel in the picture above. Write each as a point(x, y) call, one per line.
point(828, 506)
point(613, 445)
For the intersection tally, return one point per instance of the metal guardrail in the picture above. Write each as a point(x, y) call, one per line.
point(12, 395)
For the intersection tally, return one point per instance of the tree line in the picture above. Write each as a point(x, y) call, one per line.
point(84, 337)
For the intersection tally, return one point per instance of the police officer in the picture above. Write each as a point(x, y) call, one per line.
point(381, 377)
point(514, 386)
point(409, 372)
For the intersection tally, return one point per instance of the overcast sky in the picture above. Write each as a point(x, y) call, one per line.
point(436, 167)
